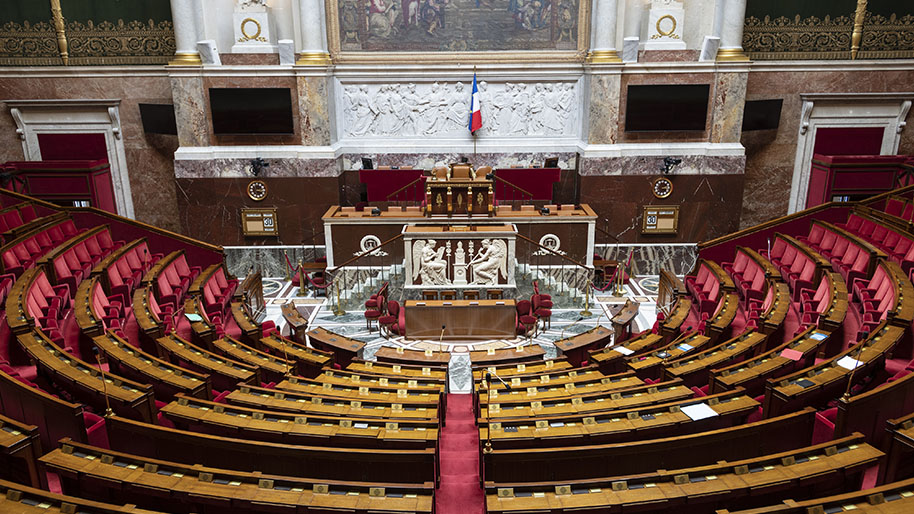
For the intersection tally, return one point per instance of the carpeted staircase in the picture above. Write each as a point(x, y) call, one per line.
point(459, 492)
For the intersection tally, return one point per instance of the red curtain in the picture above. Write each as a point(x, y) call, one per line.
point(62, 147)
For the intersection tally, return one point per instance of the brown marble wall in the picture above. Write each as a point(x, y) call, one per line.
point(149, 156)
point(664, 78)
point(210, 208)
point(210, 81)
point(709, 205)
point(770, 154)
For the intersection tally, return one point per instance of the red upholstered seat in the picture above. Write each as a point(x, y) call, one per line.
point(525, 320)
point(390, 321)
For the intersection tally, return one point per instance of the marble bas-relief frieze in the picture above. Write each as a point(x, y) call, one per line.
point(440, 109)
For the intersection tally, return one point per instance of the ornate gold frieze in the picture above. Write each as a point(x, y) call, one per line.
point(133, 42)
point(798, 38)
point(887, 37)
point(28, 44)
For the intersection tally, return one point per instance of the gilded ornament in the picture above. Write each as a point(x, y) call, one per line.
point(245, 37)
point(665, 33)
point(797, 38)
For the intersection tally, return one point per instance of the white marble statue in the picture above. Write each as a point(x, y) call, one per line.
point(490, 263)
point(429, 264)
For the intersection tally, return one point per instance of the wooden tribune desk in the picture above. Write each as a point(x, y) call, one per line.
point(462, 319)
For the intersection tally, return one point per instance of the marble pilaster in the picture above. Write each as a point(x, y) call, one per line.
point(314, 34)
point(238, 168)
point(184, 16)
point(603, 110)
point(603, 32)
point(727, 110)
point(731, 32)
point(314, 106)
point(190, 110)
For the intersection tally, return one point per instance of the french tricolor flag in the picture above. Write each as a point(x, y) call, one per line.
point(475, 113)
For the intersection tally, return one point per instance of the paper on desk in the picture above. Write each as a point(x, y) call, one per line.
point(685, 347)
point(818, 336)
point(790, 353)
point(624, 351)
point(193, 318)
point(848, 362)
point(699, 411)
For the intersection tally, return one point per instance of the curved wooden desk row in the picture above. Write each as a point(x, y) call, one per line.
point(593, 382)
point(772, 319)
point(55, 418)
point(894, 498)
point(263, 425)
point(512, 370)
point(752, 374)
point(650, 365)
point(828, 468)
point(695, 369)
point(398, 370)
point(612, 360)
point(322, 405)
point(661, 420)
point(20, 499)
point(315, 462)
point(562, 463)
point(631, 397)
point(85, 382)
point(224, 373)
point(121, 477)
point(346, 377)
point(167, 379)
point(899, 446)
point(20, 448)
point(421, 396)
point(552, 376)
point(827, 380)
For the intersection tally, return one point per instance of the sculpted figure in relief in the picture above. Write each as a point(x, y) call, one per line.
point(441, 109)
point(490, 263)
point(428, 263)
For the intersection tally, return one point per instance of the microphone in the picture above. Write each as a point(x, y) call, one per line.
point(489, 376)
point(581, 318)
point(108, 411)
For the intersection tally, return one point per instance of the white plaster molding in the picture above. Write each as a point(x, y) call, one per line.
point(17, 118)
point(76, 116)
point(844, 110)
point(663, 149)
point(203, 153)
point(905, 107)
point(115, 121)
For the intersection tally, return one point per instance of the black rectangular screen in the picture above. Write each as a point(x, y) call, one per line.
point(158, 118)
point(251, 110)
point(762, 114)
point(666, 107)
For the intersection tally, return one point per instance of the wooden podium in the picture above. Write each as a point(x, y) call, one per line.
point(459, 196)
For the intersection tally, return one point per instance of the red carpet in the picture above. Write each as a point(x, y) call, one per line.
point(459, 492)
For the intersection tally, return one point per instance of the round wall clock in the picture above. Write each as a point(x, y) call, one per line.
point(257, 190)
point(662, 187)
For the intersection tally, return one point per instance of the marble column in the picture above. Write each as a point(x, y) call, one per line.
point(184, 17)
point(314, 35)
point(603, 105)
point(731, 32)
point(603, 32)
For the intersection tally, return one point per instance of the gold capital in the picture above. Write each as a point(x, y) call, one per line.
point(186, 59)
point(732, 55)
point(603, 57)
point(314, 59)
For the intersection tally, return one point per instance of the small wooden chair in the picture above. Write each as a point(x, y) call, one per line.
point(494, 294)
point(429, 294)
point(470, 294)
point(449, 294)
